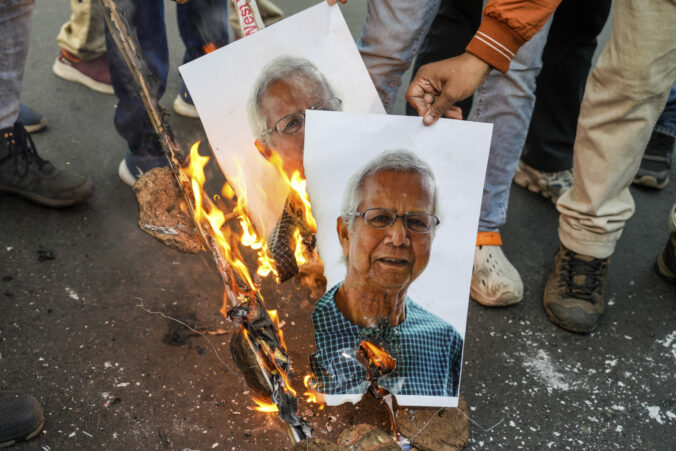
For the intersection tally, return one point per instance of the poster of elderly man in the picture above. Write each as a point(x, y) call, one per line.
point(396, 232)
point(252, 96)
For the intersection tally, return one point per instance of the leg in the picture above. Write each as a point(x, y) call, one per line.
point(146, 19)
point(84, 34)
point(566, 60)
point(390, 38)
point(451, 31)
point(83, 56)
point(15, 28)
point(507, 101)
point(624, 95)
point(203, 26)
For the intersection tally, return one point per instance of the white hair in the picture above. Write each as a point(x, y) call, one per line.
point(277, 69)
point(390, 160)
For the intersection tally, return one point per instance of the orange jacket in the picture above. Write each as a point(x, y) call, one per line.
point(506, 26)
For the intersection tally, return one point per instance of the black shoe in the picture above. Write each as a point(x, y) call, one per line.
point(23, 172)
point(656, 162)
point(575, 293)
point(21, 417)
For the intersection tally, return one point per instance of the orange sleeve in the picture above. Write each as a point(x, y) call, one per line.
point(506, 26)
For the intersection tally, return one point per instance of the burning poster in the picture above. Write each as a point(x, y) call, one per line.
point(252, 96)
point(397, 208)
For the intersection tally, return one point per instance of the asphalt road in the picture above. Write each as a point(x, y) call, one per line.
point(114, 376)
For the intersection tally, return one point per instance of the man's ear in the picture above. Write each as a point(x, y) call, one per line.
point(343, 235)
point(263, 149)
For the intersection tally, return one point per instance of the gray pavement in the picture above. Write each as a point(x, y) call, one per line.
point(113, 376)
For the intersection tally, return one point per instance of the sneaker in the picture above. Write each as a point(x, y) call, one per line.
point(656, 162)
point(665, 265)
point(94, 74)
point(183, 104)
point(575, 293)
point(134, 166)
point(550, 185)
point(21, 417)
point(495, 282)
point(23, 172)
point(32, 120)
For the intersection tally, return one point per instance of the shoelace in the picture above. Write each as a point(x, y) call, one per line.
point(22, 144)
point(592, 272)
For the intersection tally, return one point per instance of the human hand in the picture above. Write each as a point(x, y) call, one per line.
point(437, 86)
point(333, 2)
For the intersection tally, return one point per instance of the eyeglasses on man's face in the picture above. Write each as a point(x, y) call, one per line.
point(293, 123)
point(380, 218)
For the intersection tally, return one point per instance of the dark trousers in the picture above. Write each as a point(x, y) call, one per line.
point(200, 22)
point(566, 61)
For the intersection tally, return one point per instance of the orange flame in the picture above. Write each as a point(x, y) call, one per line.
point(298, 185)
point(378, 356)
point(264, 406)
point(209, 47)
point(298, 252)
point(311, 395)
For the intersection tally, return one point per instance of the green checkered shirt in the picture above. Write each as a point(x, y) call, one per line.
point(428, 351)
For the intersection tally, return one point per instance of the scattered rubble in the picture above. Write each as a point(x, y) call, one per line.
point(432, 429)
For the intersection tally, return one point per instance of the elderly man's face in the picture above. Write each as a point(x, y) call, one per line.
point(392, 257)
point(293, 94)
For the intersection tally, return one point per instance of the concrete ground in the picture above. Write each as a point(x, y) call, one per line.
point(111, 375)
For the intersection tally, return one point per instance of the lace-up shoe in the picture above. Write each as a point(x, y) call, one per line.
point(575, 293)
point(23, 172)
point(665, 265)
point(656, 162)
point(550, 185)
point(21, 417)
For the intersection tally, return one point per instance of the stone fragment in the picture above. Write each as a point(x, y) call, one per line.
point(163, 212)
point(446, 429)
point(364, 437)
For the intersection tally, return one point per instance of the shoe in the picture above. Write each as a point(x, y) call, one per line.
point(134, 166)
point(495, 282)
point(94, 74)
point(550, 185)
point(23, 172)
point(656, 162)
point(21, 417)
point(183, 104)
point(575, 293)
point(32, 120)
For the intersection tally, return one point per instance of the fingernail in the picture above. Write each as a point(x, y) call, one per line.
point(428, 119)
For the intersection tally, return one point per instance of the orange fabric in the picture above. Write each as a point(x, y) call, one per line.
point(70, 57)
point(488, 239)
point(506, 26)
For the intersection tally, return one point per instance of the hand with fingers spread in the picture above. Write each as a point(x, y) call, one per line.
point(438, 86)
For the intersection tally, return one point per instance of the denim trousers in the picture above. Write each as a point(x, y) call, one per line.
point(625, 94)
point(200, 22)
point(666, 123)
point(15, 30)
point(506, 100)
point(390, 39)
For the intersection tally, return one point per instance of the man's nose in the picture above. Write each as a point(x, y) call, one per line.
point(398, 234)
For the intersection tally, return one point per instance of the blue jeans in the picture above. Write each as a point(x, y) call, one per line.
point(390, 39)
point(15, 29)
point(200, 22)
point(506, 100)
point(666, 123)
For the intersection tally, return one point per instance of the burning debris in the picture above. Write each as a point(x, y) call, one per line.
point(378, 363)
point(242, 300)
